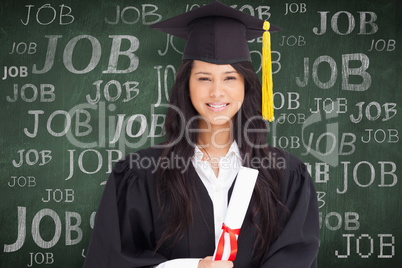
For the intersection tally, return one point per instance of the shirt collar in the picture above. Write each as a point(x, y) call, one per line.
point(234, 149)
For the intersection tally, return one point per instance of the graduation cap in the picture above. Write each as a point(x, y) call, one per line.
point(217, 33)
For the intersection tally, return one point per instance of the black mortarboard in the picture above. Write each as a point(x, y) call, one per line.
point(217, 33)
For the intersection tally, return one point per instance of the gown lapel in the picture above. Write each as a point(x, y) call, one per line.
point(201, 237)
point(201, 234)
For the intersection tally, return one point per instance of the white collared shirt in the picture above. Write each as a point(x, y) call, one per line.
point(218, 187)
point(218, 190)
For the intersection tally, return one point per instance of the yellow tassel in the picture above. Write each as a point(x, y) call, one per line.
point(267, 95)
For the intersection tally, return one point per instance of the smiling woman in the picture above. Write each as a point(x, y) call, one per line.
point(240, 202)
point(216, 92)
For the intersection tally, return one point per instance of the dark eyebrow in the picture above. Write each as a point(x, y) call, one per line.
point(230, 72)
point(206, 73)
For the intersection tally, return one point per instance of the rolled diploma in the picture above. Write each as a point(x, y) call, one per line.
point(238, 205)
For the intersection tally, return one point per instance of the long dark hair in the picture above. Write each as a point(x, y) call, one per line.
point(172, 182)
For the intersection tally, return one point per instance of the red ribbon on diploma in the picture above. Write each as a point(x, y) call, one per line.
point(233, 243)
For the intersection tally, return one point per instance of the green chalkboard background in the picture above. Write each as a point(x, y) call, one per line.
point(48, 201)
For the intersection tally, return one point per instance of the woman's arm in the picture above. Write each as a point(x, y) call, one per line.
point(120, 239)
point(297, 244)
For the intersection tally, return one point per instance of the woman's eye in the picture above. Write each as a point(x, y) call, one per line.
point(230, 78)
point(203, 79)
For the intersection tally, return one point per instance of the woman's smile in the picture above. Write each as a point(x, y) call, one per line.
point(217, 107)
point(216, 91)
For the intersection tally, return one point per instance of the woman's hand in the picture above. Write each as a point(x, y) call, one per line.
point(207, 262)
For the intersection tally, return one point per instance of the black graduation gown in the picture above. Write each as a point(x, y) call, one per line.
point(129, 222)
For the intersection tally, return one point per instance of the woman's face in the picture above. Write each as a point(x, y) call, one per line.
point(216, 91)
